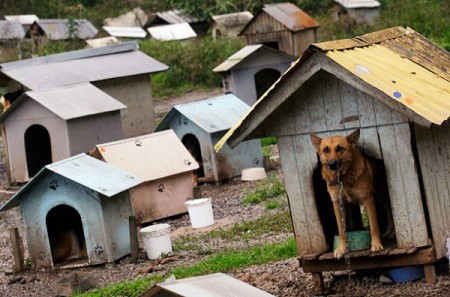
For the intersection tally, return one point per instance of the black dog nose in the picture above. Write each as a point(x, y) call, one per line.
point(333, 165)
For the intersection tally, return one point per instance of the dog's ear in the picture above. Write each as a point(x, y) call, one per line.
point(353, 137)
point(315, 140)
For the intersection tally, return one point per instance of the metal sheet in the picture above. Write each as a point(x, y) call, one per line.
point(358, 3)
point(172, 32)
point(233, 19)
point(132, 32)
point(175, 17)
point(56, 74)
point(75, 101)
point(11, 30)
point(237, 57)
point(150, 156)
point(25, 19)
point(291, 16)
point(101, 42)
point(58, 29)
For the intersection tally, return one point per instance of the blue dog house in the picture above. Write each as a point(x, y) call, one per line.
point(76, 213)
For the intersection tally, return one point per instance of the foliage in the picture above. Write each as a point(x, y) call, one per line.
point(190, 63)
point(265, 190)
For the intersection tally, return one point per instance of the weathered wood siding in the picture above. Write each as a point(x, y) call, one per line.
point(433, 146)
point(326, 105)
point(302, 39)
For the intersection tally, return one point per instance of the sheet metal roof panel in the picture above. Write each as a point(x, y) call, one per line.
point(172, 32)
point(214, 114)
point(11, 30)
point(93, 69)
point(150, 156)
point(358, 3)
point(175, 17)
point(405, 81)
point(103, 41)
point(132, 32)
point(233, 19)
point(58, 29)
point(24, 19)
point(237, 57)
point(75, 101)
point(291, 16)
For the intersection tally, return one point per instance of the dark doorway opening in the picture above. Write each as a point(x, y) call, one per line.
point(193, 146)
point(272, 44)
point(37, 149)
point(264, 79)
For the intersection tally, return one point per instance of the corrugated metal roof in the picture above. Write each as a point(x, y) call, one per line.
point(175, 17)
point(96, 175)
point(101, 42)
point(291, 16)
point(233, 19)
point(11, 30)
point(150, 156)
point(172, 32)
point(212, 285)
point(57, 72)
point(75, 101)
point(358, 3)
point(25, 19)
point(132, 32)
point(58, 29)
point(212, 115)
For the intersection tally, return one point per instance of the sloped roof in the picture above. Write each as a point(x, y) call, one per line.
point(288, 14)
point(58, 29)
point(71, 102)
point(212, 115)
point(131, 32)
point(358, 3)
point(172, 17)
point(94, 174)
point(101, 42)
point(24, 19)
point(179, 31)
point(134, 18)
point(88, 65)
point(11, 30)
point(232, 20)
point(247, 51)
point(150, 156)
point(409, 72)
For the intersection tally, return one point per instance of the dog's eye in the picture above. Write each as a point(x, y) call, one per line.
point(326, 150)
point(339, 149)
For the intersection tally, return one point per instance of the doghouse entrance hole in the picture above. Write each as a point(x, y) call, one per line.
point(264, 79)
point(66, 235)
point(193, 146)
point(37, 149)
point(354, 214)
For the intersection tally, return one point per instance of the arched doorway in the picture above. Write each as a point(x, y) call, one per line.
point(193, 146)
point(66, 235)
point(264, 79)
point(37, 149)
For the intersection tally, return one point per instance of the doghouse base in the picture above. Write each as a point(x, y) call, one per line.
point(389, 257)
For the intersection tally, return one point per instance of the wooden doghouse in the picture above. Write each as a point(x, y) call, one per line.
point(76, 213)
point(11, 37)
point(49, 125)
point(201, 124)
point(165, 165)
point(281, 26)
point(394, 85)
point(249, 72)
point(230, 24)
point(121, 71)
point(360, 11)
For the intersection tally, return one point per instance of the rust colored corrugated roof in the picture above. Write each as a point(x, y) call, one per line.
point(291, 16)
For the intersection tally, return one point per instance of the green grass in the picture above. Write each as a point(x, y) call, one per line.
point(265, 191)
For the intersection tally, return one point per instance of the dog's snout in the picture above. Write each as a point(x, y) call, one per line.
point(333, 165)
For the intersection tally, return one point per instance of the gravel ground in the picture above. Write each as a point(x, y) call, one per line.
point(282, 278)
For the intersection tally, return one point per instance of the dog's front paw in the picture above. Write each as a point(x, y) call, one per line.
point(339, 252)
point(376, 247)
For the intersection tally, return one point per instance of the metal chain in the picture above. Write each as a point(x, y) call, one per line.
point(344, 226)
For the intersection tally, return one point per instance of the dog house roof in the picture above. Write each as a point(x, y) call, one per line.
point(88, 65)
point(94, 174)
point(70, 102)
point(212, 115)
point(11, 30)
point(235, 19)
point(358, 3)
point(58, 29)
point(150, 156)
point(179, 31)
point(131, 32)
point(397, 66)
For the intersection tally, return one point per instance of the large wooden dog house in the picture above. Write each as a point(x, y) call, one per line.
point(392, 84)
point(166, 167)
point(76, 212)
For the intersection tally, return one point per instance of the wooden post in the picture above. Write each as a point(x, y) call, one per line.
point(430, 273)
point(134, 243)
point(17, 249)
point(317, 278)
point(197, 192)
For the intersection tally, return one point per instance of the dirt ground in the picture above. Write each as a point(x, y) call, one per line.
point(281, 278)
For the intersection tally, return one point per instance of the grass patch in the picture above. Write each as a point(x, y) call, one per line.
point(268, 141)
point(265, 191)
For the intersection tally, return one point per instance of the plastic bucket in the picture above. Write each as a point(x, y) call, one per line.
point(157, 240)
point(406, 274)
point(357, 240)
point(200, 212)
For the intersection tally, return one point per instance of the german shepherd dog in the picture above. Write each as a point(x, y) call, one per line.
point(345, 165)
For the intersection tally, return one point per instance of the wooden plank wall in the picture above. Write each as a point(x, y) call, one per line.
point(325, 105)
point(433, 146)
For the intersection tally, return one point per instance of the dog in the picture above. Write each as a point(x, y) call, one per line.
point(345, 166)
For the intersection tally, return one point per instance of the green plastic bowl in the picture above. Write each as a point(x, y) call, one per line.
point(357, 240)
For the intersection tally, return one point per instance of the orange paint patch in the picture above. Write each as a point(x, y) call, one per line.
point(409, 101)
point(102, 149)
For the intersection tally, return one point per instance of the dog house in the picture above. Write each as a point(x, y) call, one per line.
point(393, 85)
point(282, 26)
point(230, 24)
point(11, 36)
point(360, 11)
point(201, 124)
point(165, 165)
point(249, 72)
point(76, 213)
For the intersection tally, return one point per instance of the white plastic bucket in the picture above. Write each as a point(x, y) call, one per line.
point(157, 240)
point(200, 212)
